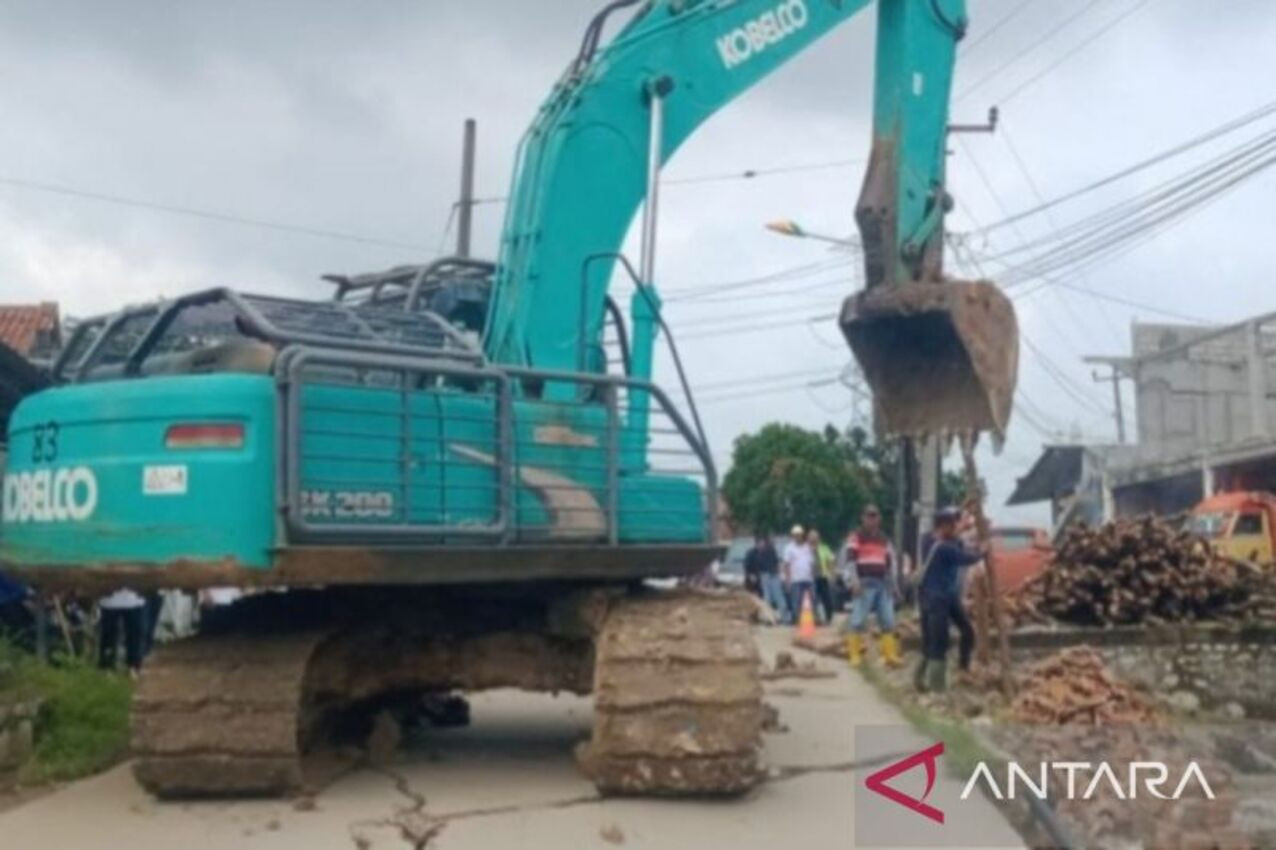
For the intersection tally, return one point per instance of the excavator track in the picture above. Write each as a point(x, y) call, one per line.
point(224, 716)
point(677, 698)
point(247, 709)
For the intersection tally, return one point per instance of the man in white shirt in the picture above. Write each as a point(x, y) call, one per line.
point(799, 570)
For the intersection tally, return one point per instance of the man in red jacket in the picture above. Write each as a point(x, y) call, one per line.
point(874, 575)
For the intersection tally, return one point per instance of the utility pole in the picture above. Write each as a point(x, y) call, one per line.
point(465, 206)
point(906, 532)
point(929, 462)
point(1116, 364)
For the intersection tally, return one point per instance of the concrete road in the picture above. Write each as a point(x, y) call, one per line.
point(508, 781)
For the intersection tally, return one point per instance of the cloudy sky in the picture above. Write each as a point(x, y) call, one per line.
point(345, 118)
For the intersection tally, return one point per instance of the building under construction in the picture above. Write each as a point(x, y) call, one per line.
point(1205, 422)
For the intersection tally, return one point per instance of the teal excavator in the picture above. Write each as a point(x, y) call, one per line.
point(459, 476)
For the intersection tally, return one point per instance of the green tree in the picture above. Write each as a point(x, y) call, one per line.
point(784, 475)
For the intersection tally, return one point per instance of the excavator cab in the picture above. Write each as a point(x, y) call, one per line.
point(940, 357)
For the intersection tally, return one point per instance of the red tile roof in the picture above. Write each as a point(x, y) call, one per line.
point(23, 325)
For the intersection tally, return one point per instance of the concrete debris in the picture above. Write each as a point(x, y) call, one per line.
point(771, 720)
point(761, 612)
point(612, 834)
point(828, 646)
point(1075, 687)
point(787, 667)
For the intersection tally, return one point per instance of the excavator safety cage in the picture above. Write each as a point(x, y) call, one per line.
point(460, 441)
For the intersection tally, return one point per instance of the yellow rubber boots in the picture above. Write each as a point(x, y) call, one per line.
point(855, 649)
point(889, 646)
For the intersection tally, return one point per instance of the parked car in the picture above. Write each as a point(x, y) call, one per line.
point(731, 566)
point(1020, 553)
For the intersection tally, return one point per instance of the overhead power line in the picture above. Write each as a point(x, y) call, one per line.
point(996, 198)
point(698, 293)
point(730, 176)
point(1116, 229)
point(808, 290)
point(995, 28)
point(208, 215)
point(1095, 36)
point(1062, 380)
point(760, 327)
point(717, 319)
point(796, 386)
point(754, 173)
point(762, 379)
point(1052, 33)
point(1170, 153)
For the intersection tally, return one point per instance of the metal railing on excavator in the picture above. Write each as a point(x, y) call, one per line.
point(403, 450)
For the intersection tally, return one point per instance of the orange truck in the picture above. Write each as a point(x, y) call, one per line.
point(1020, 553)
point(1238, 525)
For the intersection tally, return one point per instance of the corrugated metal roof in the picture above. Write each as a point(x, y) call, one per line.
point(1056, 473)
point(26, 327)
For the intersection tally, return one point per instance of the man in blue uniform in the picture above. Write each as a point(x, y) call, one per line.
point(940, 597)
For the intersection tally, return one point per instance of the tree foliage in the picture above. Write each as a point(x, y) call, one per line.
point(785, 475)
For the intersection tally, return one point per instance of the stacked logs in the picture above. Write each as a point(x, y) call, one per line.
point(1137, 571)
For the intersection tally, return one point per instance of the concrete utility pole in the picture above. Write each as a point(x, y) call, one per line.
point(465, 206)
point(1119, 367)
point(1256, 371)
point(1115, 378)
point(928, 462)
point(906, 531)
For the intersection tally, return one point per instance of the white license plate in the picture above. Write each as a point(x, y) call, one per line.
point(165, 480)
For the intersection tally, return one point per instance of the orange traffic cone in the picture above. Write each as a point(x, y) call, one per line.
point(806, 620)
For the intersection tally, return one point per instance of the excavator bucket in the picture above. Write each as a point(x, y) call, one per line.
point(939, 357)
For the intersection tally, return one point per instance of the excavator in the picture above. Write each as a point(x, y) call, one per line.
point(460, 475)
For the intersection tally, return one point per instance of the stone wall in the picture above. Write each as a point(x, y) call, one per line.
point(1190, 668)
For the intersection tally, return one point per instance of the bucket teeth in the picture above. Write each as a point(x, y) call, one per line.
point(941, 358)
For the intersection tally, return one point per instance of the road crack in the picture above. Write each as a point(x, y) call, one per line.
point(417, 828)
point(413, 825)
point(783, 774)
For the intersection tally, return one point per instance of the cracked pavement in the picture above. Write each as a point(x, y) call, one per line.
point(508, 780)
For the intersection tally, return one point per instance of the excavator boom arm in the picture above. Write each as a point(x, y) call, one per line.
point(582, 168)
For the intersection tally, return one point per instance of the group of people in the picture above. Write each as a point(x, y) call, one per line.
point(803, 574)
point(807, 570)
point(125, 617)
point(135, 618)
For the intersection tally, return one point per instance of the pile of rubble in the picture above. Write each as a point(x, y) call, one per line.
point(1070, 709)
point(1141, 571)
point(1075, 687)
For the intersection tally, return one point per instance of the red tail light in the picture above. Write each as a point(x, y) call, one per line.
point(205, 435)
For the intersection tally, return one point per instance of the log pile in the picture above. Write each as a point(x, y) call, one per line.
point(1141, 571)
